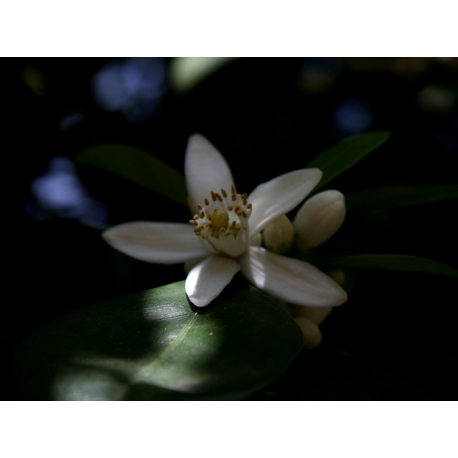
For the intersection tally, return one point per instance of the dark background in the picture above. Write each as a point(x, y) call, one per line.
point(395, 338)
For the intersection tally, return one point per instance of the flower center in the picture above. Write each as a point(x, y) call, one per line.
point(222, 223)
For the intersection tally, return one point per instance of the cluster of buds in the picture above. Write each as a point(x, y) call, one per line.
point(318, 220)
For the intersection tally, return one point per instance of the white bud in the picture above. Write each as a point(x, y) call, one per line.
point(315, 314)
point(256, 240)
point(310, 331)
point(278, 236)
point(319, 219)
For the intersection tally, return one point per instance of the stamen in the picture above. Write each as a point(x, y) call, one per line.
point(213, 220)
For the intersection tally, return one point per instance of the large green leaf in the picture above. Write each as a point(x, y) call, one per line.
point(390, 262)
point(138, 166)
point(345, 154)
point(399, 196)
point(188, 72)
point(155, 345)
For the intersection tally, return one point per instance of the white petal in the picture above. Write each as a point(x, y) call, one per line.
point(164, 243)
point(205, 170)
point(189, 265)
point(209, 278)
point(289, 279)
point(280, 195)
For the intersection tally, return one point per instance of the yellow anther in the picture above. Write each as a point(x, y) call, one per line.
point(205, 237)
point(220, 220)
point(213, 196)
point(244, 214)
point(209, 217)
point(212, 232)
point(207, 202)
point(221, 230)
point(233, 198)
point(218, 197)
point(233, 189)
point(249, 206)
point(194, 223)
point(224, 193)
point(199, 207)
point(196, 216)
point(228, 233)
point(244, 201)
point(244, 196)
point(230, 207)
point(202, 214)
point(237, 209)
point(198, 229)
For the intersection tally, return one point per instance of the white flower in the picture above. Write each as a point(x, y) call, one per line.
point(224, 225)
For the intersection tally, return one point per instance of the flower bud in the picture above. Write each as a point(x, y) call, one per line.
point(319, 219)
point(315, 314)
point(310, 331)
point(278, 236)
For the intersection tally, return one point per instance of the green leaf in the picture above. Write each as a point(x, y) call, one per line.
point(399, 262)
point(138, 166)
point(345, 154)
point(188, 72)
point(156, 345)
point(399, 196)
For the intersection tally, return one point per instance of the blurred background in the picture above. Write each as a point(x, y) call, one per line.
point(396, 337)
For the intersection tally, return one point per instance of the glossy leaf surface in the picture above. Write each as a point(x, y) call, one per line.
point(390, 262)
point(154, 345)
point(345, 154)
point(138, 166)
point(188, 72)
point(399, 196)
